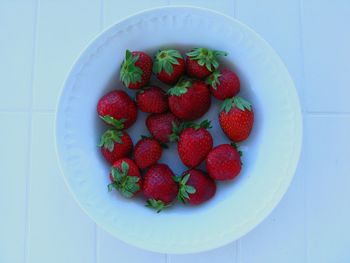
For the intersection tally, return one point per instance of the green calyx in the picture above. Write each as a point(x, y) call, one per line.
point(158, 205)
point(181, 87)
point(109, 138)
point(165, 59)
point(206, 124)
point(213, 79)
point(130, 73)
point(206, 57)
point(238, 102)
point(184, 189)
point(125, 184)
point(234, 145)
point(177, 129)
point(118, 124)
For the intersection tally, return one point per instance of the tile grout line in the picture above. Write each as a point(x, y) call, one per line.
point(96, 259)
point(302, 79)
point(301, 46)
point(167, 258)
point(30, 121)
point(238, 250)
point(235, 8)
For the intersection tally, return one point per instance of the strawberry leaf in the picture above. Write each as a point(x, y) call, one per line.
point(125, 167)
point(242, 104)
point(234, 145)
point(165, 59)
point(177, 178)
point(177, 130)
point(190, 189)
point(206, 124)
point(206, 57)
point(127, 185)
point(130, 73)
point(181, 87)
point(109, 138)
point(158, 205)
point(213, 79)
point(184, 189)
point(118, 124)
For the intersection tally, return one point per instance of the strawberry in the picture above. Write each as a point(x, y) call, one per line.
point(115, 145)
point(195, 143)
point(161, 125)
point(223, 84)
point(236, 118)
point(147, 152)
point(189, 99)
point(195, 187)
point(168, 65)
point(159, 187)
point(136, 69)
point(117, 109)
point(125, 177)
point(224, 162)
point(152, 100)
point(201, 62)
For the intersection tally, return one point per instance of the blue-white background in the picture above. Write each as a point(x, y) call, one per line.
point(40, 221)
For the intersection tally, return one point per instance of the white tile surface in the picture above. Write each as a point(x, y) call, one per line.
point(224, 6)
point(64, 28)
point(278, 22)
point(115, 10)
point(226, 254)
point(109, 248)
point(17, 20)
point(58, 230)
point(327, 188)
point(326, 54)
point(13, 177)
point(39, 41)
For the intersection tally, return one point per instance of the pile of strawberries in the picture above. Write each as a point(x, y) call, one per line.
point(193, 79)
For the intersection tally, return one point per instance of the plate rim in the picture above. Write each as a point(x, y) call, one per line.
point(269, 206)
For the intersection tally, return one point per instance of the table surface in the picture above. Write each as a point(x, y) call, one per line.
point(40, 221)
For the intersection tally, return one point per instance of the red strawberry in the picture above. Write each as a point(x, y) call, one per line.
point(200, 62)
point(223, 162)
point(147, 152)
point(161, 126)
point(223, 84)
point(117, 109)
point(152, 100)
point(136, 69)
point(189, 99)
point(194, 144)
point(236, 118)
point(168, 65)
point(125, 177)
point(159, 187)
point(195, 187)
point(115, 145)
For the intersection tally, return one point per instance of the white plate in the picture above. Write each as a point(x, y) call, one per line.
point(270, 154)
